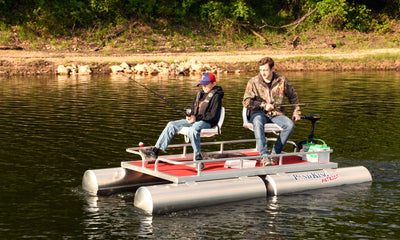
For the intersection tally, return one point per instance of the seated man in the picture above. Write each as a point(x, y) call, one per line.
point(205, 113)
point(264, 96)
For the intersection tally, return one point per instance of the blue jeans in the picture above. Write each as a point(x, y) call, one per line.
point(174, 126)
point(259, 119)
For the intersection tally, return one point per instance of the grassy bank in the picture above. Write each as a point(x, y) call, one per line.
point(313, 50)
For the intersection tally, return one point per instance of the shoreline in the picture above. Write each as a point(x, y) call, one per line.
point(17, 62)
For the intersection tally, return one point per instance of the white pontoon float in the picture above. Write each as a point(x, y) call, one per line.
point(175, 182)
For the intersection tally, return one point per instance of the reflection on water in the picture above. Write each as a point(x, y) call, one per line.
point(306, 214)
point(55, 128)
point(113, 216)
point(146, 226)
point(92, 204)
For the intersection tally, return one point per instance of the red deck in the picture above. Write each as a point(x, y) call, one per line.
point(186, 170)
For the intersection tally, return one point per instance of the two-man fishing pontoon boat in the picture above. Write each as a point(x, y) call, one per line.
point(175, 182)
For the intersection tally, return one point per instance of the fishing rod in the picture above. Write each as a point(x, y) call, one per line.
point(158, 95)
point(338, 102)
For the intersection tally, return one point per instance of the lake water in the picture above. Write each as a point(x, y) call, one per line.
point(53, 129)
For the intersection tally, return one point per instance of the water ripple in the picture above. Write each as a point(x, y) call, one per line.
point(53, 129)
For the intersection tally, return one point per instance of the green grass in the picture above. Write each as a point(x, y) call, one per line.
point(177, 38)
point(381, 57)
point(5, 38)
point(369, 59)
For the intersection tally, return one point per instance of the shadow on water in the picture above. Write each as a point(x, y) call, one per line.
point(55, 128)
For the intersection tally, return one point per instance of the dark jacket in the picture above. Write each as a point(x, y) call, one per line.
point(212, 110)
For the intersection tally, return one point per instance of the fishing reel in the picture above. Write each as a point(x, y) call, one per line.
point(187, 110)
point(313, 118)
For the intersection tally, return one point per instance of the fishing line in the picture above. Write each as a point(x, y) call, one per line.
point(338, 102)
point(158, 95)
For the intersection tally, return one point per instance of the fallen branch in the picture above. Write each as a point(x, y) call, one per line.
point(297, 22)
point(246, 26)
point(258, 35)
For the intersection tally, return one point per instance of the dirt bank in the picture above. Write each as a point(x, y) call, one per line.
point(19, 62)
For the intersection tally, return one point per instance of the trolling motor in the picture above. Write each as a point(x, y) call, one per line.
point(313, 119)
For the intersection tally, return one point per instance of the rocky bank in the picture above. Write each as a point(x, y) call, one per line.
point(17, 62)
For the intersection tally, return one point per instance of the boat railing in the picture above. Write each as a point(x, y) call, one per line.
point(241, 159)
point(184, 146)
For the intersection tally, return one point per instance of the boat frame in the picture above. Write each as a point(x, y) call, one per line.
point(242, 171)
point(176, 181)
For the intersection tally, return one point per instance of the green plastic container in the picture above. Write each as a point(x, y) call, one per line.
point(313, 147)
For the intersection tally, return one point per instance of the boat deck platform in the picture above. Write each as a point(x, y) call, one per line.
point(222, 164)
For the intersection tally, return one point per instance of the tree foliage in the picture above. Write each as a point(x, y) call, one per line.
point(60, 17)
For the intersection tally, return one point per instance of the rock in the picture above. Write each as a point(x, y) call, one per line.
point(62, 70)
point(125, 66)
point(184, 68)
point(116, 69)
point(164, 71)
point(141, 69)
point(162, 65)
point(85, 69)
point(154, 69)
point(197, 67)
point(73, 69)
point(172, 68)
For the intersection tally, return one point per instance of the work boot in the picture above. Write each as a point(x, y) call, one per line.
point(268, 161)
point(198, 158)
point(151, 153)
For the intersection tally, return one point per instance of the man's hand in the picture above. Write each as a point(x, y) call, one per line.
point(296, 117)
point(267, 106)
point(191, 119)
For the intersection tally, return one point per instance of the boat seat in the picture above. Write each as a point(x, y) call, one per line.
point(207, 132)
point(268, 127)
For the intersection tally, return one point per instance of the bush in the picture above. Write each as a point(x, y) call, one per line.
point(339, 14)
point(63, 18)
point(358, 18)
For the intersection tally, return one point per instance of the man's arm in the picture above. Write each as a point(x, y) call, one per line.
point(293, 99)
point(252, 100)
